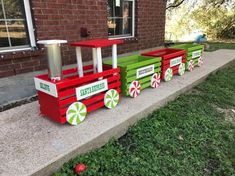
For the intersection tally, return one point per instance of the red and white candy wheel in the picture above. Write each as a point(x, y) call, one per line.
point(190, 65)
point(134, 89)
point(155, 80)
point(200, 62)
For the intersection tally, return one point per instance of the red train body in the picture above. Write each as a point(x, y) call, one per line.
point(172, 59)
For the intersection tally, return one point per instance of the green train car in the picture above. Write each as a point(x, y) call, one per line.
point(137, 73)
point(194, 54)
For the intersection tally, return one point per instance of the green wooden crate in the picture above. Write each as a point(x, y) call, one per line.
point(137, 68)
point(194, 53)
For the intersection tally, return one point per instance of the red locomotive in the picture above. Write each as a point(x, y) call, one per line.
point(78, 91)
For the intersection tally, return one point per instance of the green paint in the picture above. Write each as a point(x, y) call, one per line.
point(190, 48)
point(111, 99)
point(129, 66)
point(76, 113)
point(92, 89)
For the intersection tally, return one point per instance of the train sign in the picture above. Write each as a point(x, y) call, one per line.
point(176, 61)
point(91, 89)
point(196, 54)
point(144, 71)
point(46, 87)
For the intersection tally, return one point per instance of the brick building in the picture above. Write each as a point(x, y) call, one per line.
point(141, 23)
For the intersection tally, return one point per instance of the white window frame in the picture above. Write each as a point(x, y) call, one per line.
point(29, 22)
point(133, 25)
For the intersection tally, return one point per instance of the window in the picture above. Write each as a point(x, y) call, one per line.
point(16, 28)
point(121, 17)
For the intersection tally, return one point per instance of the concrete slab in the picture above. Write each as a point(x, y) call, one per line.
point(33, 145)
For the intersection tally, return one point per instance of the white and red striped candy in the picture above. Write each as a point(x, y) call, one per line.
point(200, 62)
point(190, 65)
point(155, 80)
point(134, 89)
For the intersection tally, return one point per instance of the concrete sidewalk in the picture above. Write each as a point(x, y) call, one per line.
point(32, 145)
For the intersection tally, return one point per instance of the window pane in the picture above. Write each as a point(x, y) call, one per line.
point(111, 27)
point(120, 18)
point(3, 35)
point(118, 10)
point(128, 27)
point(119, 27)
point(110, 8)
point(14, 9)
point(18, 33)
point(127, 12)
point(129, 6)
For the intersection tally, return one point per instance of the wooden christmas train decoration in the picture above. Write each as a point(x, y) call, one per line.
point(173, 61)
point(68, 95)
point(193, 54)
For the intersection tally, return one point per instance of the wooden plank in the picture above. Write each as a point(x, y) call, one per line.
point(131, 78)
point(166, 53)
point(167, 62)
point(95, 106)
point(189, 47)
point(72, 90)
point(127, 59)
point(77, 81)
point(96, 43)
point(173, 55)
point(65, 103)
point(90, 103)
point(143, 81)
point(125, 64)
point(174, 68)
point(133, 72)
point(195, 48)
point(142, 64)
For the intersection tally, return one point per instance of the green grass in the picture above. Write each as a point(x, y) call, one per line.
point(213, 46)
point(219, 45)
point(187, 137)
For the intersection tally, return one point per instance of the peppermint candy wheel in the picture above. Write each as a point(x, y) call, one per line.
point(181, 69)
point(200, 62)
point(190, 65)
point(155, 80)
point(168, 74)
point(134, 89)
point(76, 113)
point(111, 98)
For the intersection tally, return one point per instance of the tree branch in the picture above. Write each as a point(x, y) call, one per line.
point(174, 5)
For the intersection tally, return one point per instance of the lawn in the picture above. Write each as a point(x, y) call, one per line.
point(213, 46)
point(220, 45)
point(191, 136)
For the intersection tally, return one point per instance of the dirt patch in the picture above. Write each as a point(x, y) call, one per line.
point(18, 103)
point(229, 114)
point(194, 91)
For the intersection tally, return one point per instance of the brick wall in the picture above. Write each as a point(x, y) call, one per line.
point(62, 19)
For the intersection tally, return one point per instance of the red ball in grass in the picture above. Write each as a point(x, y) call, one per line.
point(79, 168)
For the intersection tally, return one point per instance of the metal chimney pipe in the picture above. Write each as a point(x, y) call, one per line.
point(54, 58)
